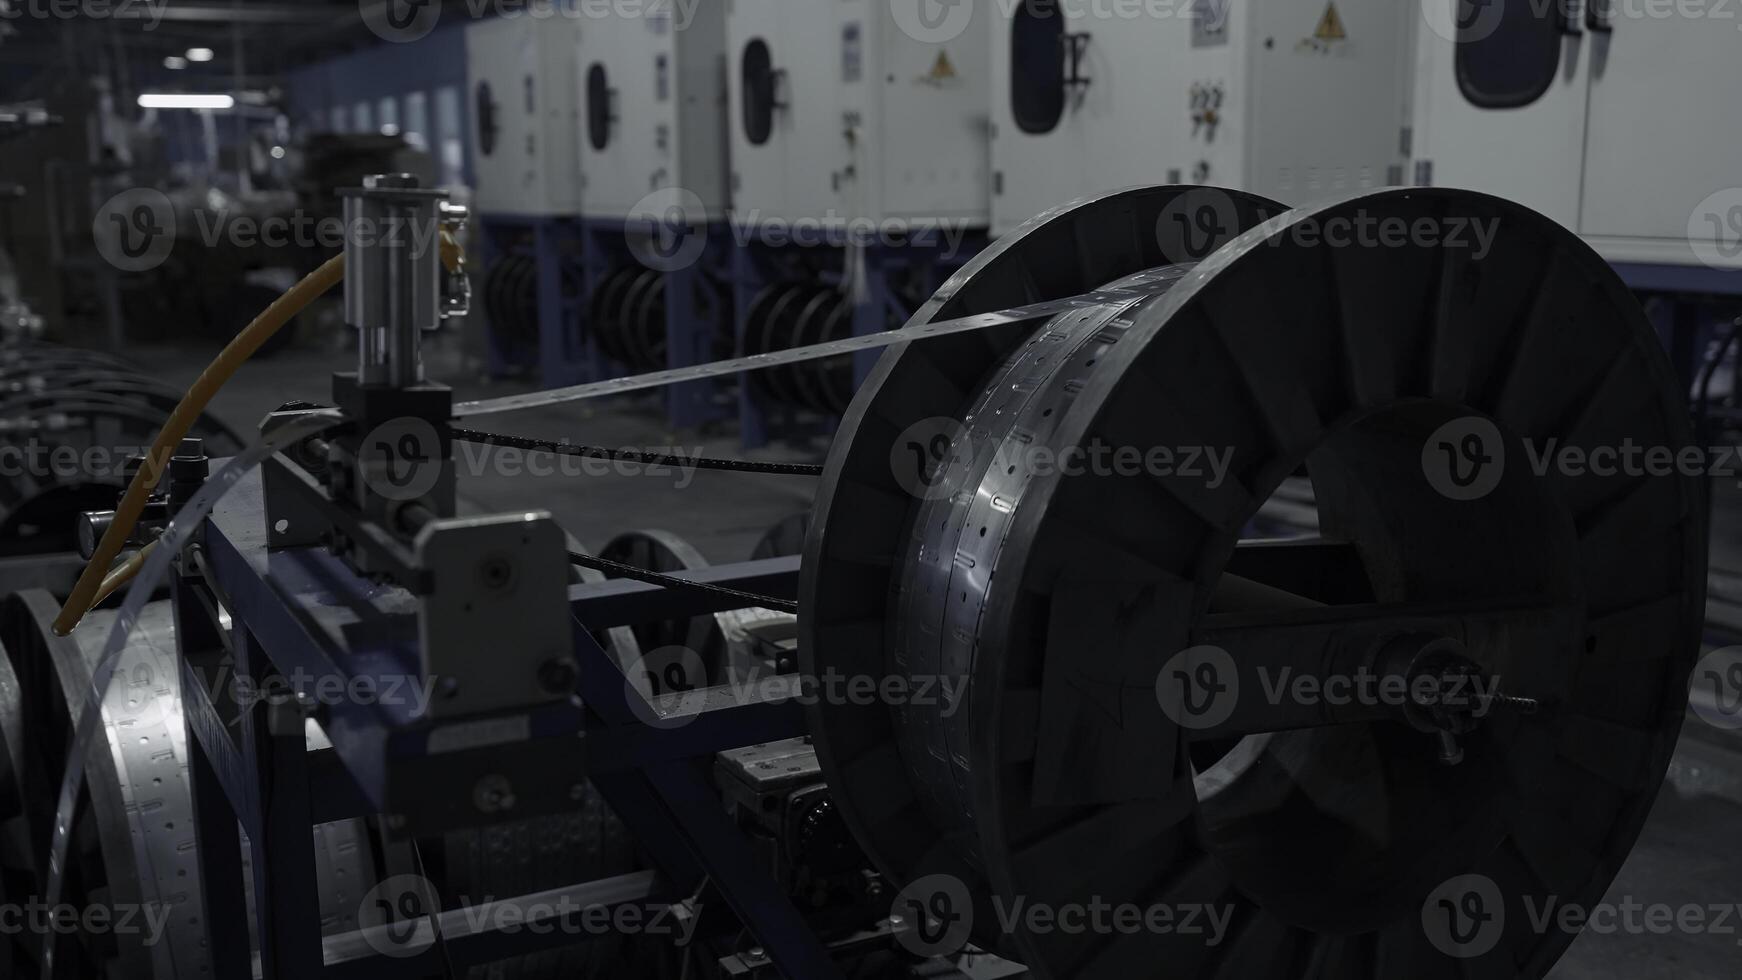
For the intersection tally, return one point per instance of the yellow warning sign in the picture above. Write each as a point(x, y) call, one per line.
point(943, 69)
point(1331, 25)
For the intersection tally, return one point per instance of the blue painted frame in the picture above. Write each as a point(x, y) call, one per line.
point(264, 778)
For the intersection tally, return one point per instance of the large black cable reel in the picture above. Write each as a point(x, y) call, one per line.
point(510, 298)
point(1057, 599)
point(628, 317)
point(787, 314)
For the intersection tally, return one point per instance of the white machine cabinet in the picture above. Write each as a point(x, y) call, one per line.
point(1297, 100)
point(652, 92)
point(1619, 121)
point(521, 70)
point(851, 110)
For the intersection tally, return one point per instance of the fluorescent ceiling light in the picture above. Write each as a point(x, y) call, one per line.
point(200, 54)
point(175, 62)
point(169, 100)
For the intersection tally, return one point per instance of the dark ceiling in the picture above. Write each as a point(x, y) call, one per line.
point(42, 47)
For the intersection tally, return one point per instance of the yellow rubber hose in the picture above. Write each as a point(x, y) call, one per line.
point(88, 591)
point(282, 310)
point(124, 574)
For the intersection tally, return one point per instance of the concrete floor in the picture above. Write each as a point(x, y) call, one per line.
point(1685, 857)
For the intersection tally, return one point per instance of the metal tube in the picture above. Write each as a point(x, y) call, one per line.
point(392, 276)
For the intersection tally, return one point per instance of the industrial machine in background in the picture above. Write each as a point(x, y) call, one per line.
point(525, 122)
point(653, 160)
point(1302, 102)
point(1583, 103)
point(637, 737)
point(70, 421)
point(859, 181)
point(1584, 99)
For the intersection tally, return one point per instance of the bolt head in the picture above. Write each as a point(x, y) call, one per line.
point(558, 675)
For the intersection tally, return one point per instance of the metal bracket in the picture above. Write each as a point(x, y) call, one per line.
point(495, 632)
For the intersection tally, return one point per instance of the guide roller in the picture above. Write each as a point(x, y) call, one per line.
point(1066, 602)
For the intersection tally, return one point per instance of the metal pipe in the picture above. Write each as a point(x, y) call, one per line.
point(392, 276)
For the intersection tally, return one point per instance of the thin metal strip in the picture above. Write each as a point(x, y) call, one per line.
point(144, 586)
point(796, 355)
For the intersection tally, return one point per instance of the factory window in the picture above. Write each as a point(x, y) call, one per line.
point(363, 115)
point(488, 126)
point(449, 132)
point(761, 82)
point(387, 116)
point(416, 128)
point(1508, 52)
point(598, 107)
point(1037, 66)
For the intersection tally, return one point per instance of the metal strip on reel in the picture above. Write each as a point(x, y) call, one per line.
point(151, 576)
point(137, 847)
point(915, 330)
point(1057, 779)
